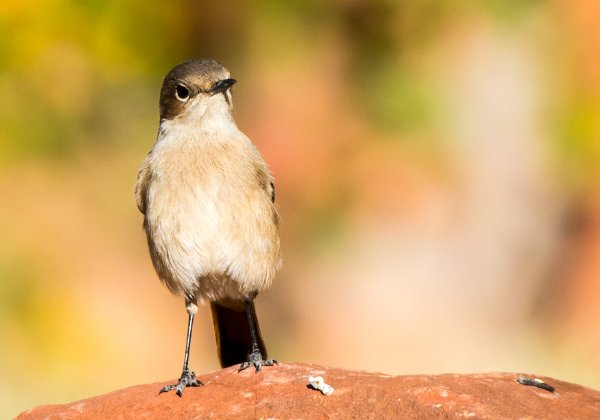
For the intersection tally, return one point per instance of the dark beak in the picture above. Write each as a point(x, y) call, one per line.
point(221, 86)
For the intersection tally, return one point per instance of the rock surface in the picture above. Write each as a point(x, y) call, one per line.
point(282, 392)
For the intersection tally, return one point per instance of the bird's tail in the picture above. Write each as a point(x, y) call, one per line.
point(232, 332)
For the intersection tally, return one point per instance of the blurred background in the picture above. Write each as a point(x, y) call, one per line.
point(437, 177)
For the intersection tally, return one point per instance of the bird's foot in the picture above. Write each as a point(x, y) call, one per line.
point(187, 379)
point(255, 359)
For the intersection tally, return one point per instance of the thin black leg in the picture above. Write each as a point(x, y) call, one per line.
point(255, 358)
point(187, 378)
point(188, 341)
point(251, 315)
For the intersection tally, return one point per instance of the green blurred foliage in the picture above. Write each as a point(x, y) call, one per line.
point(67, 63)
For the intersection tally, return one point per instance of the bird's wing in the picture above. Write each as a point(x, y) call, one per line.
point(141, 186)
point(272, 191)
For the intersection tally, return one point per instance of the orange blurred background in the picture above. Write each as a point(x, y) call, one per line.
point(437, 176)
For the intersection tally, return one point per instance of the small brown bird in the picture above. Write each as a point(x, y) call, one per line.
point(208, 202)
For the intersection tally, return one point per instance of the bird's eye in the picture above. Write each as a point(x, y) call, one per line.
point(182, 93)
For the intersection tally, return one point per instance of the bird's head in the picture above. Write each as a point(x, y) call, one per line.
point(195, 89)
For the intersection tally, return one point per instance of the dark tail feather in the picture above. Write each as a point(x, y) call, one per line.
point(232, 332)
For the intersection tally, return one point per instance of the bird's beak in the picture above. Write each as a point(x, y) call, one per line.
point(221, 86)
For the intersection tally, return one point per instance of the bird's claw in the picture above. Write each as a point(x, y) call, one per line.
point(187, 379)
point(255, 359)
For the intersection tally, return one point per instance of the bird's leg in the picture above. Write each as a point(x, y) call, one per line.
point(255, 358)
point(187, 378)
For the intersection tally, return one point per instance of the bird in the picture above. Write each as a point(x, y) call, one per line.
point(208, 202)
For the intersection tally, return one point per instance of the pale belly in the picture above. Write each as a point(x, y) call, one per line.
point(217, 242)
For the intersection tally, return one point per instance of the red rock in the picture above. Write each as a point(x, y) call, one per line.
point(282, 392)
